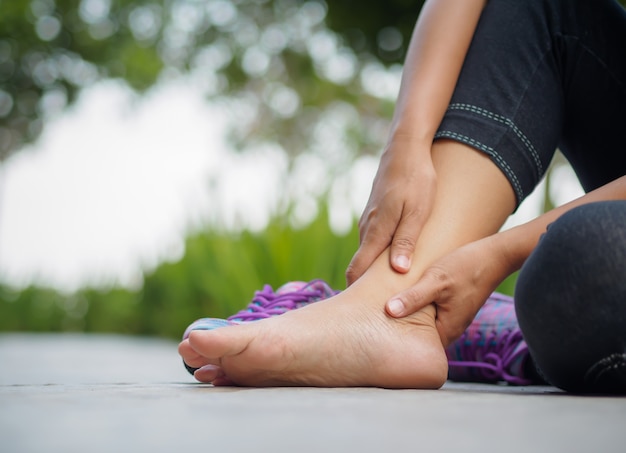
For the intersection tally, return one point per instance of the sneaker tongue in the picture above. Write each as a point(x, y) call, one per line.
point(267, 303)
point(291, 287)
point(291, 295)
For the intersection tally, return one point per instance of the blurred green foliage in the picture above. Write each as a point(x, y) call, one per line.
point(287, 59)
point(290, 62)
point(217, 276)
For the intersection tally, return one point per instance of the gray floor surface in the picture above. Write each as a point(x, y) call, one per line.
point(79, 393)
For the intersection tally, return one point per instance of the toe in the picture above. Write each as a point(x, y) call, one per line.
point(219, 343)
point(209, 373)
point(190, 356)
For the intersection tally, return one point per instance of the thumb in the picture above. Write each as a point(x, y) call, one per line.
point(409, 301)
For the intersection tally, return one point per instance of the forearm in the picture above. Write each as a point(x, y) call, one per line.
point(516, 244)
point(434, 59)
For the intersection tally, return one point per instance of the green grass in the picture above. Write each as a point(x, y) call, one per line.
point(217, 276)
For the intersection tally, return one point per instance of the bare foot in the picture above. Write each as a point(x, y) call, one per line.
point(333, 343)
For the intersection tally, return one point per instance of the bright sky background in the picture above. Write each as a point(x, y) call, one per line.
point(115, 184)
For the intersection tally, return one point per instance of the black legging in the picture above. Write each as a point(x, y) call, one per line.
point(541, 74)
point(571, 300)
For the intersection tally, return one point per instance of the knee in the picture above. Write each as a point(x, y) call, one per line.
point(569, 299)
point(591, 233)
point(608, 375)
point(581, 257)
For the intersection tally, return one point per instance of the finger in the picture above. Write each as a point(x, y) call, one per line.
point(361, 260)
point(403, 243)
point(424, 292)
point(364, 257)
point(405, 238)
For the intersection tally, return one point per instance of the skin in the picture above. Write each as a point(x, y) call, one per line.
point(349, 340)
point(433, 214)
point(448, 195)
point(403, 192)
point(461, 281)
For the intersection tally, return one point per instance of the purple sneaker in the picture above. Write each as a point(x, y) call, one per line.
point(492, 348)
point(267, 303)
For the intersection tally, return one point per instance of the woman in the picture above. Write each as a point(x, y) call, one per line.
point(489, 90)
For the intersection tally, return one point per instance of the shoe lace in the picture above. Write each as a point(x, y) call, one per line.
point(492, 356)
point(267, 303)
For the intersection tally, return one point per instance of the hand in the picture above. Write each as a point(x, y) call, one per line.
point(400, 202)
point(458, 284)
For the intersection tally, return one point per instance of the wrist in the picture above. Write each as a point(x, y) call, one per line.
point(401, 140)
point(415, 136)
point(513, 248)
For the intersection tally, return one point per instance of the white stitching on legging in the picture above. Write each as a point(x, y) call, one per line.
point(491, 152)
point(507, 122)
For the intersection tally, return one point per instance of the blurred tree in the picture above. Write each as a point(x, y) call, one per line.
point(285, 63)
point(50, 49)
point(287, 77)
point(289, 71)
point(217, 276)
point(277, 60)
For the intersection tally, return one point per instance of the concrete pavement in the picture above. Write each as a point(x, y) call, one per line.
point(99, 393)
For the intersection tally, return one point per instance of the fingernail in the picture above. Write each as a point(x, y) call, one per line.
point(395, 307)
point(402, 262)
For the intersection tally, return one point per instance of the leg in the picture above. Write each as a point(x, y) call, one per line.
point(348, 340)
point(571, 300)
point(541, 74)
point(593, 68)
point(507, 104)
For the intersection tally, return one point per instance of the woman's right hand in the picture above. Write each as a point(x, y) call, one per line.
point(400, 202)
point(404, 188)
